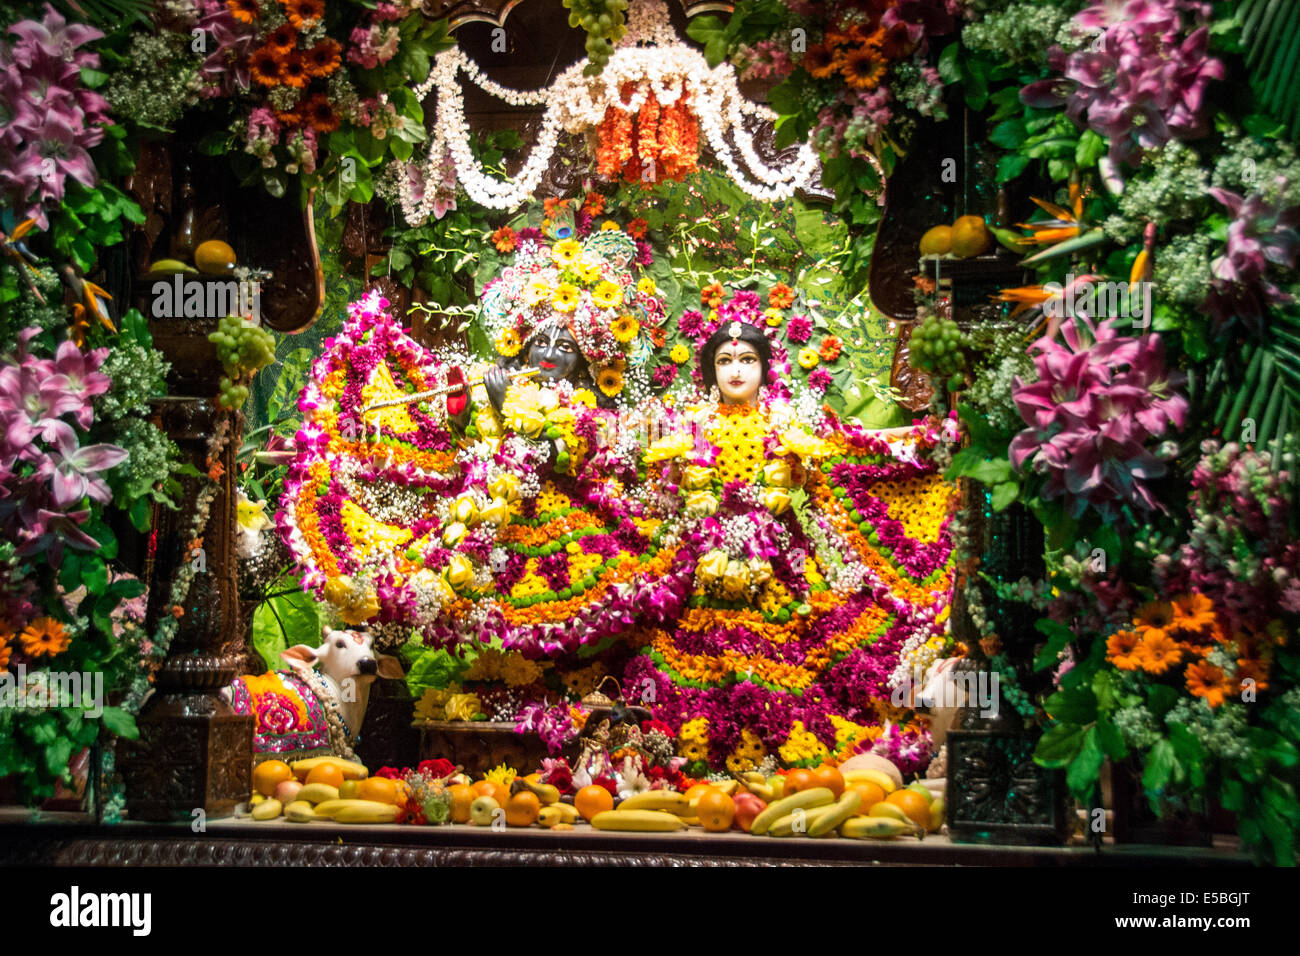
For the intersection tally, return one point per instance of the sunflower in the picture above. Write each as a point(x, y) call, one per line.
point(505, 240)
point(862, 69)
point(1159, 652)
point(1193, 614)
point(808, 358)
point(610, 382)
point(245, 11)
point(303, 14)
point(509, 343)
point(1206, 680)
point(565, 251)
point(264, 65)
point(1124, 651)
point(820, 61)
point(44, 636)
point(565, 298)
point(283, 38)
point(293, 70)
point(608, 295)
point(625, 328)
point(319, 114)
point(680, 353)
point(323, 58)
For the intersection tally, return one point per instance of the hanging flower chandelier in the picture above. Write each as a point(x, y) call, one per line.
point(647, 107)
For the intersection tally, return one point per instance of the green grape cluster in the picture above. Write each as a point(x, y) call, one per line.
point(938, 347)
point(604, 22)
point(243, 348)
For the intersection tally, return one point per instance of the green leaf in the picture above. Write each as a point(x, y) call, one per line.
point(1059, 745)
point(140, 514)
point(1008, 134)
point(94, 574)
point(285, 620)
point(1090, 149)
point(949, 69)
point(1073, 706)
point(1003, 495)
point(1160, 766)
point(1085, 768)
point(57, 755)
point(121, 723)
point(1161, 699)
point(1111, 740)
point(1010, 166)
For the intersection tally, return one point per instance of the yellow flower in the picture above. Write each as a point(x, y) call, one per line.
point(680, 353)
point(646, 286)
point(589, 270)
point(463, 707)
point(673, 446)
point(565, 251)
point(431, 705)
point(585, 396)
point(608, 224)
point(701, 504)
point(697, 476)
point(711, 567)
point(625, 328)
point(607, 295)
point(610, 382)
point(537, 291)
point(502, 774)
point(776, 500)
point(808, 358)
point(566, 297)
point(508, 343)
point(774, 317)
point(695, 730)
point(459, 571)
point(796, 441)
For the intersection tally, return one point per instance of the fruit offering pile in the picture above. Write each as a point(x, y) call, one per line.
point(863, 803)
point(938, 347)
point(243, 349)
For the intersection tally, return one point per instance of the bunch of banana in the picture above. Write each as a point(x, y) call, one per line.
point(367, 811)
point(299, 811)
point(651, 821)
point(669, 800)
point(881, 779)
point(350, 768)
point(785, 807)
point(557, 814)
point(318, 793)
point(756, 783)
point(267, 809)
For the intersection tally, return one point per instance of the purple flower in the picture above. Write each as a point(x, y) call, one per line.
point(664, 375)
point(1257, 235)
point(690, 323)
point(819, 380)
point(74, 470)
point(799, 329)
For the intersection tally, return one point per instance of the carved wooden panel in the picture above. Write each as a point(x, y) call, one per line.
point(478, 746)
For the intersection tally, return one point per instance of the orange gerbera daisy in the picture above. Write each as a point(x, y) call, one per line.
point(319, 114)
point(863, 69)
point(1159, 652)
point(637, 228)
point(1154, 616)
point(820, 61)
point(1124, 650)
point(830, 348)
point(504, 239)
point(593, 204)
point(44, 636)
point(245, 11)
point(1206, 680)
point(283, 38)
point(323, 58)
point(6, 651)
point(293, 70)
point(711, 295)
point(780, 296)
point(264, 65)
point(289, 118)
point(1193, 614)
point(1251, 668)
point(303, 14)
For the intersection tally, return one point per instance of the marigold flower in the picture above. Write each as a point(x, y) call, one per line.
point(830, 348)
point(808, 358)
point(680, 353)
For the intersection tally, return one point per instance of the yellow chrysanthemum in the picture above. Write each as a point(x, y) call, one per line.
point(502, 774)
point(774, 317)
point(808, 358)
point(509, 343)
point(566, 298)
point(695, 730)
point(625, 328)
point(565, 251)
point(610, 382)
point(646, 286)
point(680, 353)
point(585, 396)
point(607, 295)
point(608, 224)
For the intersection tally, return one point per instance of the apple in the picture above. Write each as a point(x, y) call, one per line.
point(286, 791)
point(482, 810)
point(923, 790)
point(348, 791)
point(748, 806)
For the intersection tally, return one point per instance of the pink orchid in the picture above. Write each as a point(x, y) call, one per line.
point(74, 470)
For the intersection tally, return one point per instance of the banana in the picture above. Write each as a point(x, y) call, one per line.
point(546, 792)
point(726, 786)
point(549, 817)
point(803, 800)
point(656, 821)
point(752, 776)
point(690, 821)
point(299, 811)
point(1012, 240)
point(351, 769)
point(937, 810)
point(166, 267)
point(268, 809)
point(881, 779)
point(877, 828)
point(563, 826)
point(669, 800)
point(318, 793)
point(327, 809)
point(799, 822)
point(837, 814)
point(756, 784)
point(372, 812)
point(889, 812)
point(568, 811)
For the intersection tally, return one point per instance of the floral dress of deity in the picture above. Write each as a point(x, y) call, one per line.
point(797, 622)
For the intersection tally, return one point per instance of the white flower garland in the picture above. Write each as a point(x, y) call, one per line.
point(653, 62)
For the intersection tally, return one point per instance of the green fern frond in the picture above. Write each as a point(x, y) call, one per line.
point(1270, 36)
point(107, 15)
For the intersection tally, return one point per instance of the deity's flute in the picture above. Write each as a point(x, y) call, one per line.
point(445, 390)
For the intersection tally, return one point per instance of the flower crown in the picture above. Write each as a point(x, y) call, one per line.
point(568, 273)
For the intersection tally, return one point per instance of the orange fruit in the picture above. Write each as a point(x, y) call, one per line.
point(913, 804)
point(326, 773)
point(937, 241)
point(487, 788)
point(716, 810)
point(800, 779)
point(698, 790)
point(269, 774)
point(592, 800)
point(462, 795)
point(871, 794)
point(522, 809)
point(970, 237)
point(214, 257)
point(830, 778)
point(378, 789)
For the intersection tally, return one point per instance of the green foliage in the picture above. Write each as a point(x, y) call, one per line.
point(1270, 34)
point(430, 668)
point(289, 616)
